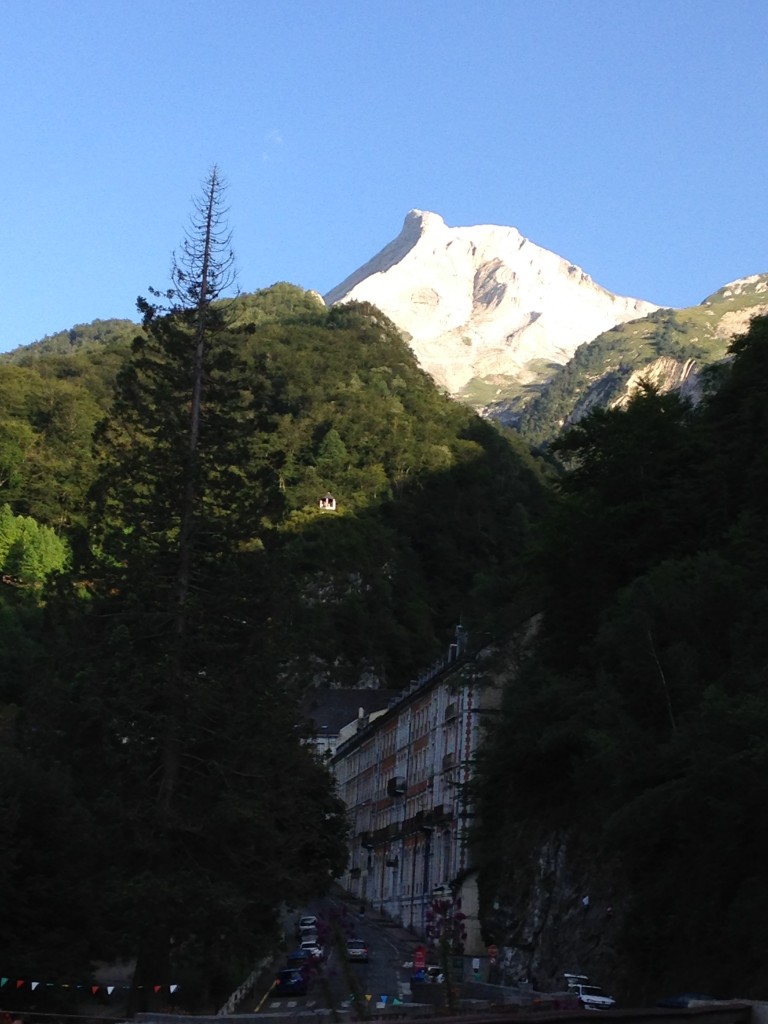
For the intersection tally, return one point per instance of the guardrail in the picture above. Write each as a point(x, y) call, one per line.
point(242, 991)
point(536, 1013)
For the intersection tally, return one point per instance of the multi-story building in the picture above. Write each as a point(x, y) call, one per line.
point(332, 715)
point(403, 775)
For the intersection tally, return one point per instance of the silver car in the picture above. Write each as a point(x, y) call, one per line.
point(357, 949)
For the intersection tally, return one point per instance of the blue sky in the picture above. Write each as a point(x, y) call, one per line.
point(628, 136)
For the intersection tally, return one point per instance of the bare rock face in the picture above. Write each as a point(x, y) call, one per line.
point(664, 374)
point(484, 302)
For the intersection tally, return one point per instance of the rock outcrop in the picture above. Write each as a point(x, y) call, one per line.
point(484, 303)
point(664, 374)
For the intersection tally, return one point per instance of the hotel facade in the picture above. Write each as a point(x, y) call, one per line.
point(403, 773)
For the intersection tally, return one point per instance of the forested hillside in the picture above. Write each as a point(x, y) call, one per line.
point(635, 740)
point(154, 667)
point(432, 504)
point(172, 585)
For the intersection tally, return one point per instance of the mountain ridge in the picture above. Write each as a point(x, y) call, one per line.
point(668, 349)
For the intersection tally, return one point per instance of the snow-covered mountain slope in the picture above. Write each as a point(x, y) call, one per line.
point(484, 304)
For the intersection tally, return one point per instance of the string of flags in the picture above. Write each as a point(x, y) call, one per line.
point(381, 1002)
point(33, 986)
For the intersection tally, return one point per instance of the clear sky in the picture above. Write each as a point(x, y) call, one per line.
point(628, 136)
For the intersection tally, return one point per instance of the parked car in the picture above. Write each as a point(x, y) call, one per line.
point(591, 997)
point(298, 958)
point(291, 981)
point(430, 973)
point(357, 949)
point(313, 948)
point(306, 922)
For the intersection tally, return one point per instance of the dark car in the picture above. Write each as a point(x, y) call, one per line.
point(298, 958)
point(357, 949)
point(291, 981)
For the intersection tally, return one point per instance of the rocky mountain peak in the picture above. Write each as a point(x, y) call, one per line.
point(416, 225)
point(483, 304)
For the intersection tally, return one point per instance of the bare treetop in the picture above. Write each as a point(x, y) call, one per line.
point(205, 267)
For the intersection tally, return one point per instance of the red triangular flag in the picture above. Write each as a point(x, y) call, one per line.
point(19, 983)
point(94, 989)
point(158, 987)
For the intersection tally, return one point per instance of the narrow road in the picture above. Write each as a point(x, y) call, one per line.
point(337, 982)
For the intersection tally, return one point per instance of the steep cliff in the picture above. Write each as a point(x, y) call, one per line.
point(558, 909)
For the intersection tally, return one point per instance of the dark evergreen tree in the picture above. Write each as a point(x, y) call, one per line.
point(211, 812)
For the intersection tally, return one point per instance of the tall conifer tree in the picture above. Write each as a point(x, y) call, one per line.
point(198, 741)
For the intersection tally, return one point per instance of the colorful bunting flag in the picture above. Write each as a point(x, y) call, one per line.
point(95, 989)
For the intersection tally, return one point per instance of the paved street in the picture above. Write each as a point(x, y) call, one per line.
point(337, 982)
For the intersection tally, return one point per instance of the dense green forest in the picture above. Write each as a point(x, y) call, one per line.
point(433, 504)
point(171, 587)
point(640, 725)
point(157, 803)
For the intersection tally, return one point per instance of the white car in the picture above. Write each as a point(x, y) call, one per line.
point(312, 947)
point(591, 997)
point(305, 922)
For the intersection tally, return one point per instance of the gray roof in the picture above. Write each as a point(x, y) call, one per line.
point(330, 710)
